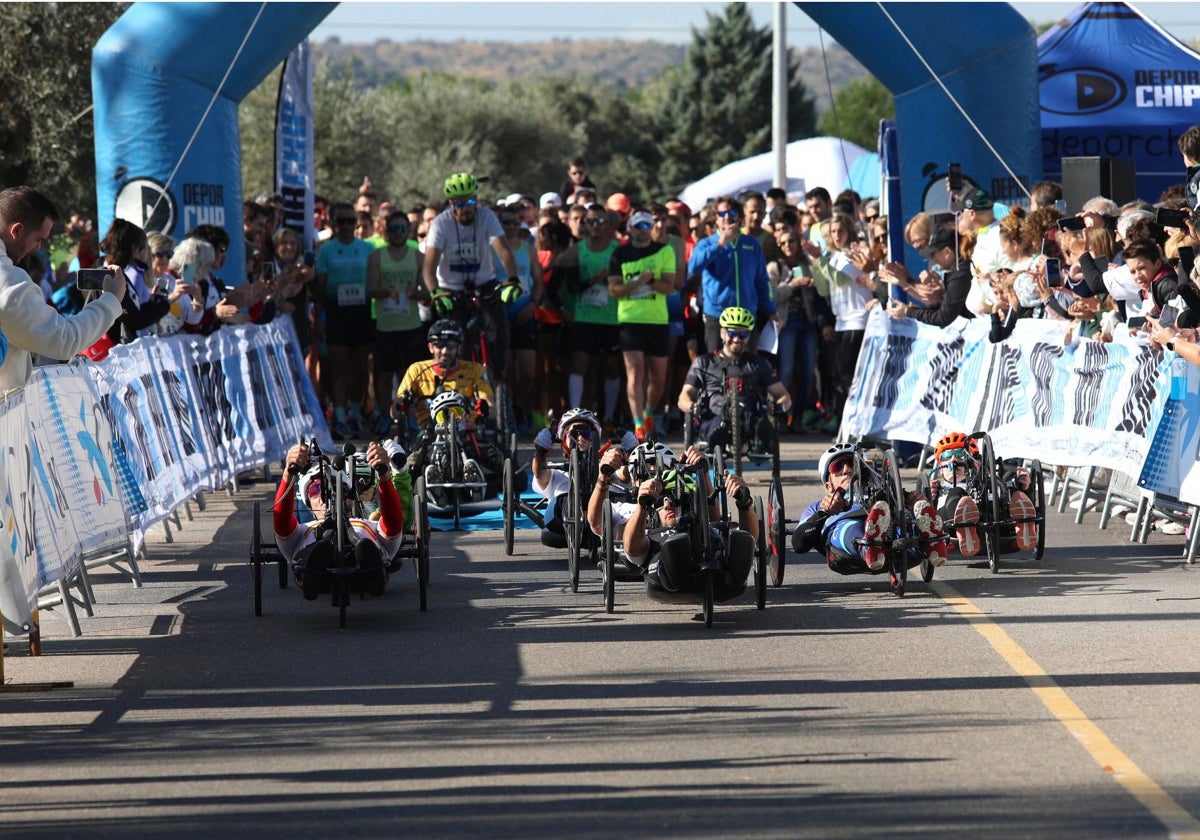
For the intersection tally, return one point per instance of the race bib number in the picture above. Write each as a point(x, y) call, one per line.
point(595, 296)
point(463, 257)
point(641, 293)
point(352, 295)
point(397, 306)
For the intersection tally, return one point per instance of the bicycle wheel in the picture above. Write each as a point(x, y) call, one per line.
point(570, 517)
point(708, 599)
point(776, 531)
point(421, 535)
point(990, 509)
point(510, 505)
point(256, 559)
point(777, 421)
point(735, 423)
point(760, 557)
point(503, 424)
point(609, 571)
point(1038, 484)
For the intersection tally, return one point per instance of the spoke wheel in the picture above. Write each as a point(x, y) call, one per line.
point(510, 505)
point(761, 552)
point(776, 526)
point(991, 504)
point(1038, 484)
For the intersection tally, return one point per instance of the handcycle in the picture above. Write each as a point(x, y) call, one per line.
point(708, 545)
point(986, 483)
point(344, 578)
point(741, 412)
point(582, 471)
point(454, 481)
point(467, 309)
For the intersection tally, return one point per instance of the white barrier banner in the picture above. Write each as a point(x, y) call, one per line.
point(1087, 403)
point(18, 552)
point(1171, 465)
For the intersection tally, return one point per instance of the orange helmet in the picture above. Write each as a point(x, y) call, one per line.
point(952, 441)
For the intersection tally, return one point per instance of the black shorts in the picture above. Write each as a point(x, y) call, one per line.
point(524, 337)
point(396, 350)
point(649, 339)
point(594, 339)
point(349, 326)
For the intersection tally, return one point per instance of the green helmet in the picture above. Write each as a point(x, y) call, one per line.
point(461, 185)
point(677, 484)
point(737, 318)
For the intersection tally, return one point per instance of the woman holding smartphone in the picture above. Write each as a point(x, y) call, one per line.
point(802, 318)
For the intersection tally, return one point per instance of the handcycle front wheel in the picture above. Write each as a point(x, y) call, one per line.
point(776, 526)
point(898, 554)
point(510, 505)
point(991, 503)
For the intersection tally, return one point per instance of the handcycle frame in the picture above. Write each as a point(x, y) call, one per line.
point(344, 579)
point(711, 563)
point(732, 417)
point(985, 485)
point(467, 310)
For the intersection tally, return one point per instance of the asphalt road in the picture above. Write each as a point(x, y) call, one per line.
point(1054, 699)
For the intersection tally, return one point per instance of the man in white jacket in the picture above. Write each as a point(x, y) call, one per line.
point(30, 324)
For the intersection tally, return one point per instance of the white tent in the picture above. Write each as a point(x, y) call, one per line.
point(815, 162)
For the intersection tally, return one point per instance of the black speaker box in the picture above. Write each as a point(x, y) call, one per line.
point(1084, 178)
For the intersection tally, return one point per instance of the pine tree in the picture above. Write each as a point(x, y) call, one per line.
point(721, 109)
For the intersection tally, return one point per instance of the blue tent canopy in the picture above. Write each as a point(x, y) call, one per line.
point(1112, 83)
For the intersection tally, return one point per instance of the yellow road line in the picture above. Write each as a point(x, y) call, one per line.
point(1121, 767)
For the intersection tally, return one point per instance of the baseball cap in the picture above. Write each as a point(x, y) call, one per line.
point(678, 206)
point(976, 200)
point(550, 199)
point(618, 202)
point(511, 200)
point(640, 217)
point(941, 238)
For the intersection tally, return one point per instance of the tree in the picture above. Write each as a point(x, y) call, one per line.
point(46, 131)
point(856, 112)
point(721, 109)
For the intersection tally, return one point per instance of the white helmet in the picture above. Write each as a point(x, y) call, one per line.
point(649, 459)
point(838, 450)
point(575, 416)
point(448, 401)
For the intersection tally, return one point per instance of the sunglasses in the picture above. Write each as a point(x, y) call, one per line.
point(843, 467)
point(736, 335)
point(347, 221)
point(595, 222)
point(397, 228)
point(643, 226)
point(463, 202)
point(581, 432)
point(422, 235)
point(163, 255)
point(727, 214)
point(954, 455)
point(444, 345)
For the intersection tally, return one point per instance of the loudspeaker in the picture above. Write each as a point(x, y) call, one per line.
point(1084, 178)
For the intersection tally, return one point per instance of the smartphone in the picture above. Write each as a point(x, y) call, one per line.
point(1071, 223)
point(1172, 218)
point(267, 272)
point(954, 178)
point(189, 275)
point(1168, 315)
point(91, 279)
point(310, 258)
point(1054, 278)
point(1187, 260)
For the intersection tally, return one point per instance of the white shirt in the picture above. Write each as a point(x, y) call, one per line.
point(466, 250)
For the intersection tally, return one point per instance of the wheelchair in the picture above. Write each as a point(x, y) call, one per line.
point(345, 578)
point(986, 483)
point(708, 546)
point(454, 482)
point(741, 412)
point(582, 469)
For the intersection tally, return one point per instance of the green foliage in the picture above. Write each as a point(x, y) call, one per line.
point(46, 134)
point(857, 110)
point(721, 109)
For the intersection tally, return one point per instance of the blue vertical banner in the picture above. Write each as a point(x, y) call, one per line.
point(294, 160)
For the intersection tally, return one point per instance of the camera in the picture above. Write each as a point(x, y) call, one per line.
point(1173, 218)
point(91, 279)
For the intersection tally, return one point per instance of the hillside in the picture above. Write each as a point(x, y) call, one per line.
point(621, 63)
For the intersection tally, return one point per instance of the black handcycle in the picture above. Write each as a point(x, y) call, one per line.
point(741, 412)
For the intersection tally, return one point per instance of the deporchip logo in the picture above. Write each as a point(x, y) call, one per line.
point(139, 201)
point(1091, 89)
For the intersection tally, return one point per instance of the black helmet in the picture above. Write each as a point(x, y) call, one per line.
point(446, 330)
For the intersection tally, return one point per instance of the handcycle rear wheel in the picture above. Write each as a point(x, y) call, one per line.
point(610, 559)
point(1038, 482)
point(760, 557)
point(256, 559)
point(421, 558)
point(510, 505)
point(776, 527)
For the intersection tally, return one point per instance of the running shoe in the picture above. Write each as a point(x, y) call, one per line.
point(879, 524)
point(966, 515)
point(929, 525)
point(1021, 509)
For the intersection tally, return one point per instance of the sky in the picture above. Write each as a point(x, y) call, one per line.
point(583, 19)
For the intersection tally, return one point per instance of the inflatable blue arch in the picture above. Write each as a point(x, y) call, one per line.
point(157, 71)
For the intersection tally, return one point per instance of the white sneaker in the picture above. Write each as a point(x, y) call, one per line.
point(1172, 529)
